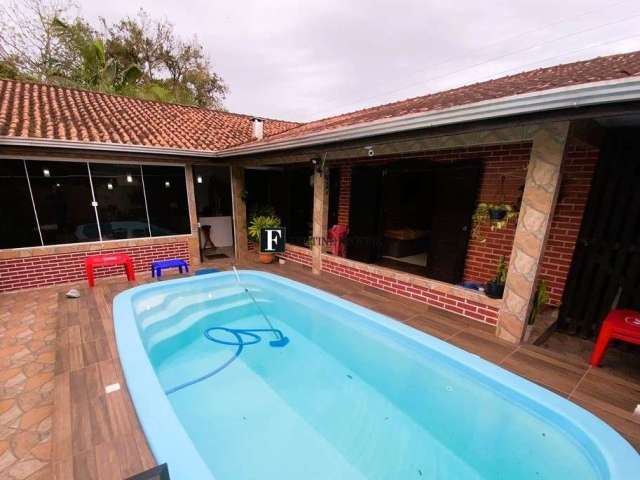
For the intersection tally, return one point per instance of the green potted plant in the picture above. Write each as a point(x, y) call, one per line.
point(256, 224)
point(495, 288)
point(497, 215)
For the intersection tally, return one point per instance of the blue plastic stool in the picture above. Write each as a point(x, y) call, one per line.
point(205, 271)
point(157, 267)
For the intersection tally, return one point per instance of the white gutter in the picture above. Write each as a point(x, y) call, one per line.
point(583, 95)
point(589, 94)
point(111, 147)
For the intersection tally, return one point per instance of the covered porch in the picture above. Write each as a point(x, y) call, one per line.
point(542, 168)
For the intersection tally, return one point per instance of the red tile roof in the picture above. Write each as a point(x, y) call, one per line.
point(594, 70)
point(33, 110)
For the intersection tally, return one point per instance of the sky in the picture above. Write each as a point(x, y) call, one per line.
point(305, 60)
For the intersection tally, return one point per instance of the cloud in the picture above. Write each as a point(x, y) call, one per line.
point(301, 60)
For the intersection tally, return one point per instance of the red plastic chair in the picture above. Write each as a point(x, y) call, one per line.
point(619, 325)
point(92, 261)
point(336, 236)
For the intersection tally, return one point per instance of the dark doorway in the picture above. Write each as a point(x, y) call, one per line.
point(287, 192)
point(454, 193)
point(605, 271)
point(365, 214)
point(414, 216)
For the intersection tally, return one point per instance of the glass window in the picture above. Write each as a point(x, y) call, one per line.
point(62, 194)
point(18, 226)
point(118, 191)
point(166, 190)
point(213, 191)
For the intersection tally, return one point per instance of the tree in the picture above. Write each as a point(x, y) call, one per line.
point(181, 67)
point(140, 57)
point(89, 66)
point(27, 37)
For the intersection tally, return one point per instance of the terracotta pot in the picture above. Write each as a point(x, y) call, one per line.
point(266, 257)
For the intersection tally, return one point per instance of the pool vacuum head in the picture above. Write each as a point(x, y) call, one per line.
point(281, 342)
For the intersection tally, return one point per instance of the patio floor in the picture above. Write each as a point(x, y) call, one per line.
point(57, 355)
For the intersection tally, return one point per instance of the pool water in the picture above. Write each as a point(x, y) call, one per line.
point(347, 398)
point(353, 395)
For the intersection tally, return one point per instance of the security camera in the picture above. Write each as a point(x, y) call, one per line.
point(370, 151)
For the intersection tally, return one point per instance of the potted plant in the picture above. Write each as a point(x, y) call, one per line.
point(496, 214)
point(541, 298)
point(256, 224)
point(495, 288)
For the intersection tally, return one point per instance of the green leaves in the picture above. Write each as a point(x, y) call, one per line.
point(259, 222)
point(135, 56)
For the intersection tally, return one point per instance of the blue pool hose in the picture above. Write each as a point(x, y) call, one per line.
point(239, 343)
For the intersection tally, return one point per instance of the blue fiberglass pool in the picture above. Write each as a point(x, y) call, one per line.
point(352, 395)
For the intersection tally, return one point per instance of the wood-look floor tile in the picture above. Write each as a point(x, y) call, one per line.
point(434, 326)
point(482, 344)
point(561, 376)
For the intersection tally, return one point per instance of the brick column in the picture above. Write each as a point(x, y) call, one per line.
point(239, 213)
point(538, 205)
point(320, 218)
point(194, 245)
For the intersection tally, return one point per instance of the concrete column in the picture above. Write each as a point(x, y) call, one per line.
point(320, 218)
point(239, 213)
point(538, 205)
point(194, 245)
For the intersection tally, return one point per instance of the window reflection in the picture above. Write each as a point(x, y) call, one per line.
point(166, 190)
point(18, 227)
point(121, 209)
point(62, 194)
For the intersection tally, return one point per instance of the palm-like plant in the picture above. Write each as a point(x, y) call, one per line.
point(94, 70)
point(259, 222)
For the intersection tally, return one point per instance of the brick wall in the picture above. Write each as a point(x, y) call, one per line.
point(344, 199)
point(43, 270)
point(580, 165)
point(446, 297)
point(505, 169)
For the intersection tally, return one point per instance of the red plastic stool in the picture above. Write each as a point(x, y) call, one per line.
point(619, 325)
point(92, 261)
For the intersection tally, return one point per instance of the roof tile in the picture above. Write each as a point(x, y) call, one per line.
point(33, 110)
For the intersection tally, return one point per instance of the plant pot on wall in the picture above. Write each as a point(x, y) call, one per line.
point(497, 214)
point(494, 289)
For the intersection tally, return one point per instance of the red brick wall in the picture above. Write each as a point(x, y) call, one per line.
point(345, 195)
point(44, 270)
point(578, 173)
point(446, 301)
point(505, 171)
point(503, 180)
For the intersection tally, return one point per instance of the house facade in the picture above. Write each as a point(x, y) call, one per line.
point(84, 172)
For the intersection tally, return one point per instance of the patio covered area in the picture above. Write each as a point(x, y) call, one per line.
point(59, 354)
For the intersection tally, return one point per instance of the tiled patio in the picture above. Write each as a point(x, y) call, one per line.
point(57, 422)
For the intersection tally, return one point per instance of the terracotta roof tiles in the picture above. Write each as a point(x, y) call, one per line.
point(33, 110)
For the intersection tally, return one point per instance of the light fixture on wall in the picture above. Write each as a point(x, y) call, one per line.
point(129, 178)
point(370, 151)
point(199, 178)
point(46, 172)
point(167, 184)
point(58, 185)
point(110, 186)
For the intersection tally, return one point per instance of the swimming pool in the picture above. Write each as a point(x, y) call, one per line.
point(352, 395)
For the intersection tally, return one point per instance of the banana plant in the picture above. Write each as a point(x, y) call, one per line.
point(95, 70)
